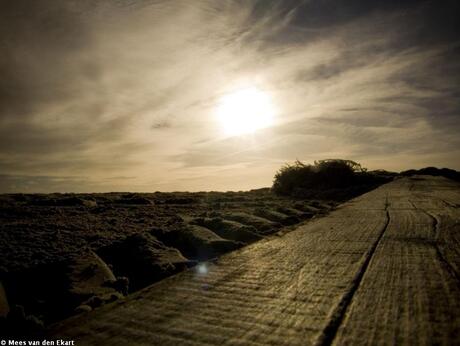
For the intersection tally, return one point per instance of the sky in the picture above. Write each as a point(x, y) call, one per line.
point(124, 95)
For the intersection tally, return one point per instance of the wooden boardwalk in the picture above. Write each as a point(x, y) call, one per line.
point(383, 269)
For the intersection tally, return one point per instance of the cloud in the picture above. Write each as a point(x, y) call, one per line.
point(95, 90)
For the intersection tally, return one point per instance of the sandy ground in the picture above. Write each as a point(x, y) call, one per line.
point(64, 254)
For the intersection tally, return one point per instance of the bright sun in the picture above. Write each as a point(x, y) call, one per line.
point(245, 111)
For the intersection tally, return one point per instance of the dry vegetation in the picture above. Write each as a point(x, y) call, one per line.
point(328, 179)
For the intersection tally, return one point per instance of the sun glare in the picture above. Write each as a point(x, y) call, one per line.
point(245, 111)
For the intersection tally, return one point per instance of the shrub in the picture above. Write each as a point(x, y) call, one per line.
point(325, 177)
point(443, 172)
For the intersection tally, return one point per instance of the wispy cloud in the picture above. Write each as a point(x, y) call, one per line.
point(97, 90)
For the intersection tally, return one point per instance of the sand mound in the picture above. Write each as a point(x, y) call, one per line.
point(143, 259)
point(50, 292)
point(42, 291)
point(295, 212)
point(276, 216)
point(262, 225)
point(230, 230)
point(91, 281)
point(196, 242)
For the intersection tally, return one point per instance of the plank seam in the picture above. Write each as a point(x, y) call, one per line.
point(452, 271)
point(329, 333)
point(435, 224)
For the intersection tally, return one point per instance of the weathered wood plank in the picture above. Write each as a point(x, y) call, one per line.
point(368, 272)
point(409, 294)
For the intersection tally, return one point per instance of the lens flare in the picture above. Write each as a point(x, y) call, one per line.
point(202, 268)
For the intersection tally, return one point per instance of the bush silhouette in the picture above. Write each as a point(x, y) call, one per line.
point(443, 172)
point(326, 178)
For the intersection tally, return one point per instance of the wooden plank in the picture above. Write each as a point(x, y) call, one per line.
point(338, 279)
point(410, 294)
